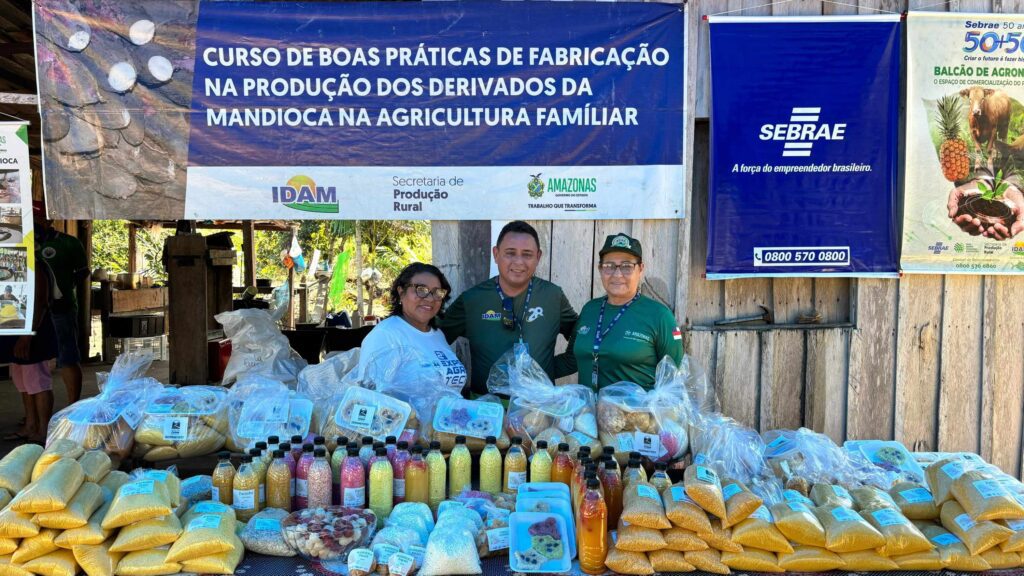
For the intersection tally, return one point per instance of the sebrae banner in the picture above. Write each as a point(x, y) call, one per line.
point(370, 110)
point(964, 206)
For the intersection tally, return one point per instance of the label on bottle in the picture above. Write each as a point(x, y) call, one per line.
point(965, 522)
point(215, 493)
point(1015, 525)
point(989, 488)
point(515, 479)
point(731, 490)
point(679, 495)
point(398, 488)
point(798, 506)
point(175, 428)
point(953, 469)
point(362, 415)
point(209, 508)
point(497, 539)
point(844, 514)
point(418, 553)
point(888, 517)
point(266, 525)
point(625, 441)
point(762, 513)
point(384, 552)
point(244, 499)
point(360, 559)
point(707, 475)
point(263, 493)
point(355, 497)
point(204, 521)
point(841, 492)
point(794, 496)
point(401, 564)
point(136, 488)
point(301, 488)
point(647, 444)
point(946, 539)
point(647, 492)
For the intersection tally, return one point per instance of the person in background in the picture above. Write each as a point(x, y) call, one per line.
point(66, 257)
point(515, 306)
point(8, 295)
point(417, 297)
point(622, 336)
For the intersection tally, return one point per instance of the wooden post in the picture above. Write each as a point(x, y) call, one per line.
point(249, 252)
point(289, 319)
point(357, 319)
point(85, 291)
point(187, 311)
point(133, 249)
point(304, 302)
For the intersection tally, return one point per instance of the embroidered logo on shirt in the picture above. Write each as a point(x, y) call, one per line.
point(583, 331)
point(491, 315)
point(535, 313)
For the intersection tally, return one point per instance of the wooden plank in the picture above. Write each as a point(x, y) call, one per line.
point(705, 296)
point(700, 346)
point(872, 375)
point(782, 379)
point(543, 228)
point(124, 301)
point(791, 298)
point(683, 245)
point(699, 46)
point(659, 239)
point(832, 299)
point(603, 229)
point(187, 312)
point(475, 250)
point(960, 364)
point(745, 297)
point(572, 260)
point(737, 375)
point(919, 330)
point(825, 403)
point(1002, 402)
point(797, 8)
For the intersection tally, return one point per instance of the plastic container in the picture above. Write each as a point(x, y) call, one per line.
point(183, 423)
point(460, 467)
point(245, 496)
point(437, 474)
point(318, 480)
point(302, 478)
point(266, 408)
point(515, 466)
point(558, 487)
point(337, 457)
point(540, 463)
point(398, 464)
point(526, 502)
point(593, 530)
point(417, 483)
point(612, 484)
point(529, 531)
point(223, 479)
point(291, 462)
point(382, 480)
point(327, 535)
point(353, 480)
point(490, 467)
point(561, 468)
point(468, 417)
point(367, 413)
point(261, 469)
point(279, 483)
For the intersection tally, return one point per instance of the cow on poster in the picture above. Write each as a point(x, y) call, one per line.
point(804, 128)
point(964, 206)
point(17, 258)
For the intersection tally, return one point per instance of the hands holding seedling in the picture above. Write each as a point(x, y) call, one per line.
point(997, 191)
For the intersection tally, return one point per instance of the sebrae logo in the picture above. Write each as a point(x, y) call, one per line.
point(302, 193)
point(802, 131)
point(938, 248)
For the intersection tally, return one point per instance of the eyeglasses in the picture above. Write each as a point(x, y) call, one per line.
point(609, 268)
point(423, 291)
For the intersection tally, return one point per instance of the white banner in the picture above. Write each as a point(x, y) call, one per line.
point(17, 256)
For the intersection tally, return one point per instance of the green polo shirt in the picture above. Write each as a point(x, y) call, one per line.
point(476, 314)
point(66, 257)
point(646, 333)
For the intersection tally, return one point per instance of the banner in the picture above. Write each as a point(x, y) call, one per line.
point(963, 206)
point(370, 110)
point(17, 256)
point(804, 131)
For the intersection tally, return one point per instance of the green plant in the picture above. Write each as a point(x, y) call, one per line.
point(995, 190)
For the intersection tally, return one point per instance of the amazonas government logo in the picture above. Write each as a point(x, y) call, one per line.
point(802, 131)
point(302, 193)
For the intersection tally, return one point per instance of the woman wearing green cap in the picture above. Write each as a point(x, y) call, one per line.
point(623, 336)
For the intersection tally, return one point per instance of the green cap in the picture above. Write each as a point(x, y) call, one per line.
point(622, 243)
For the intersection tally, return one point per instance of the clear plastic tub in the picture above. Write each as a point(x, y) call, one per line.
point(468, 417)
point(538, 542)
point(528, 503)
point(368, 413)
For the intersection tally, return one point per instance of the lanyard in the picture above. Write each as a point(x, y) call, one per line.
point(520, 322)
point(599, 334)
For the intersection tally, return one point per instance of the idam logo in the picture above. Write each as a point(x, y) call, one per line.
point(302, 193)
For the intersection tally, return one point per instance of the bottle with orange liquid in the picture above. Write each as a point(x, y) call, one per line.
point(612, 483)
point(561, 469)
point(592, 535)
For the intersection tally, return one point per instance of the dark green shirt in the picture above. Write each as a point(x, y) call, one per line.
point(476, 314)
point(66, 257)
point(646, 333)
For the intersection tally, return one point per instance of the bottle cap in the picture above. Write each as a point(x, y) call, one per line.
point(585, 460)
point(609, 450)
point(342, 441)
point(286, 447)
point(604, 458)
point(633, 455)
point(492, 440)
point(517, 441)
point(403, 445)
point(381, 451)
point(585, 449)
point(296, 440)
point(610, 464)
point(319, 452)
point(353, 451)
point(246, 459)
point(591, 467)
point(542, 445)
point(435, 445)
point(417, 449)
point(367, 441)
point(254, 452)
point(307, 447)
point(319, 441)
point(634, 463)
point(378, 445)
point(275, 440)
point(261, 445)
point(223, 454)
point(278, 454)
point(660, 466)
point(390, 440)
point(563, 447)
point(593, 483)
point(460, 439)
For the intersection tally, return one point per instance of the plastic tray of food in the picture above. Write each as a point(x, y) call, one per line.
point(538, 542)
point(468, 417)
point(372, 414)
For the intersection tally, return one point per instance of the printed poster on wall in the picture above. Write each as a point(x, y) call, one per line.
point(964, 206)
point(362, 110)
point(17, 257)
point(804, 128)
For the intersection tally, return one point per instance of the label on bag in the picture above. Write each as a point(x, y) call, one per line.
point(953, 469)
point(384, 552)
point(418, 553)
point(763, 513)
point(647, 444)
point(707, 475)
point(302, 488)
point(515, 479)
point(648, 492)
point(209, 508)
point(844, 515)
point(160, 475)
point(731, 490)
point(965, 522)
point(266, 525)
point(360, 559)
point(244, 499)
point(497, 539)
point(798, 507)
point(700, 459)
point(841, 492)
point(946, 539)
point(401, 564)
point(582, 438)
point(131, 416)
point(362, 415)
point(989, 488)
point(215, 493)
point(136, 488)
point(916, 495)
point(794, 496)
point(175, 428)
point(679, 495)
point(888, 517)
point(355, 497)
point(625, 441)
point(204, 521)
point(398, 488)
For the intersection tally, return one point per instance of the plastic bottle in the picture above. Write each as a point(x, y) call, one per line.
point(417, 483)
point(366, 450)
point(437, 476)
point(319, 480)
point(612, 483)
point(561, 468)
point(279, 483)
point(660, 478)
point(515, 466)
point(633, 473)
point(540, 463)
point(265, 454)
point(337, 457)
point(382, 480)
point(302, 478)
point(353, 480)
point(609, 451)
point(391, 444)
point(287, 449)
point(460, 468)
point(296, 448)
point(592, 531)
point(273, 443)
point(398, 464)
point(245, 490)
point(223, 478)
point(490, 467)
point(577, 486)
point(261, 470)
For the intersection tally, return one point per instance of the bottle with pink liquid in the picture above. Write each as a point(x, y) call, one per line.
point(353, 480)
point(302, 477)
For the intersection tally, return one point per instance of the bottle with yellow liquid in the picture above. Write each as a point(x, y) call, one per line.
point(660, 478)
point(437, 476)
point(634, 473)
point(246, 490)
point(515, 466)
point(540, 463)
point(490, 467)
point(223, 478)
point(257, 463)
point(382, 481)
point(417, 484)
point(460, 468)
point(279, 483)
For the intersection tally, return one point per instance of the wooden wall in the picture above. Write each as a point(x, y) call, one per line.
point(936, 362)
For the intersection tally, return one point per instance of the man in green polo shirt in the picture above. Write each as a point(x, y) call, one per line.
point(515, 306)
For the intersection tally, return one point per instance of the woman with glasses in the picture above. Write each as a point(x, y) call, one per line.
point(418, 295)
point(623, 336)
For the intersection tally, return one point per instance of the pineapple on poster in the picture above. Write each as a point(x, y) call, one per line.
point(964, 192)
